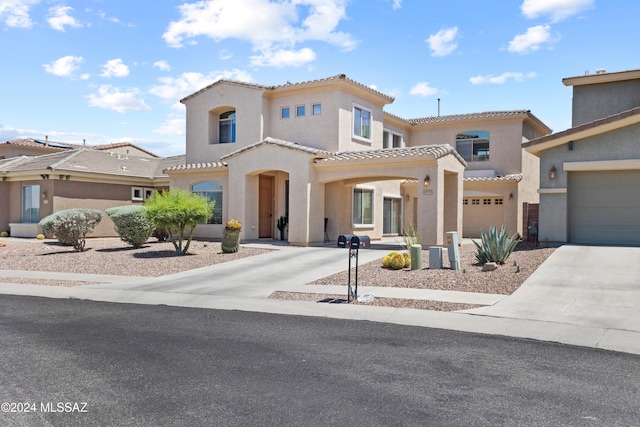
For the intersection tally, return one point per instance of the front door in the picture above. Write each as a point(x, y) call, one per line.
point(265, 209)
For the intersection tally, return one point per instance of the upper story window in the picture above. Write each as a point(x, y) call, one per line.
point(316, 109)
point(212, 191)
point(361, 122)
point(473, 145)
point(227, 127)
point(391, 139)
point(301, 110)
point(285, 112)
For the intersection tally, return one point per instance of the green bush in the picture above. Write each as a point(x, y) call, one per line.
point(177, 211)
point(496, 247)
point(132, 224)
point(71, 226)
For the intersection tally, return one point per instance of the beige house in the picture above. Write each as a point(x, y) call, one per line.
point(34, 186)
point(325, 155)
point(590, 173)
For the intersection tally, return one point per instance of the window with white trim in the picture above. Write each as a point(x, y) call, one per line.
point(212, 191)
point(301, 110)
point(391, 139)
point(316, 109)
point(31, 204)
point(227, 127)
point(362, 206)
point(361, 122)
point(137, 193)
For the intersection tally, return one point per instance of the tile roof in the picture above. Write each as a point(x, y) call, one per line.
point(280, 143)
point(197, 166)
point(94, 161)
point(517, 177)
point(435, 151)
point(288, 85)
point(471, 116)
point(63, 146)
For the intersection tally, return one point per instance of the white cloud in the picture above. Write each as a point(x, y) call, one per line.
point(173, 88)
point(65, 66)
point(59, 18)
point(502, 78)
point(112, 98)
point(272, 27)
point(162, 65)
point(423, 89)
point(115, 68)
point(531, 40)
point(397, 4)
point(15, 13)
point(105, 17)
point(443, 42)
point(283, 58)
point(172, 126)
point(224, 54)
point(557, 10)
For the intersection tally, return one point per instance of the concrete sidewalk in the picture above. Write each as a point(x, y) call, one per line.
point(581, 295)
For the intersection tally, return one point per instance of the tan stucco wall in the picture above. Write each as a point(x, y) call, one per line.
point(505, 138)
point(186, 181)
point(201, 132)
point(4, 206)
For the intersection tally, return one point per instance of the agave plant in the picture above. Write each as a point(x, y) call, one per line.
point(496, 246)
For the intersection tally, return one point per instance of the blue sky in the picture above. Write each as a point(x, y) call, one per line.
point(110, 71)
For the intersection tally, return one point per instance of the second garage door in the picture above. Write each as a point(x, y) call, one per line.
point(604, 207)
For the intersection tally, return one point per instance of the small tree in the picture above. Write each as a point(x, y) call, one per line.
point(177, 209)
point(132, 224)
point(71, 226)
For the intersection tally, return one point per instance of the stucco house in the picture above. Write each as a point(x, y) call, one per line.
point(34, 186)
point(326, 155)
point(590, 173)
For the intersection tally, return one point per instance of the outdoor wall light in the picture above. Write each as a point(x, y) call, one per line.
point(510, 197)
point(427, 181)
point(553, 173)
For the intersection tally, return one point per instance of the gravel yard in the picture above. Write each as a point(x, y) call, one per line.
point(112, 256)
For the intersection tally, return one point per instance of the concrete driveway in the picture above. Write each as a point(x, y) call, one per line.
point(580, 285)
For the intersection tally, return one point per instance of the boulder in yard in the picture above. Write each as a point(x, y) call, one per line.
point(489, 266)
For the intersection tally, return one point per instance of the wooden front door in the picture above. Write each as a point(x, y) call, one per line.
point(265, 208)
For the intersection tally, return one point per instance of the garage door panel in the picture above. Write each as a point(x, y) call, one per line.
point(604, 207)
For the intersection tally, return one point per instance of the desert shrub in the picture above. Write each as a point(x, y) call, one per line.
point(4, 234)
point(132, 224)
point(177, 209)
point(496, 246)
point(71, 226)
point(411, 236)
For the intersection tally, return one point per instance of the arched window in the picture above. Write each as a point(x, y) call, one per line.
point(473, 145)
point(213, 191)
point(227, 127)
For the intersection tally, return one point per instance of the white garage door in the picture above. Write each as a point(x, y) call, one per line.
point(481, 212)
point(604, 208)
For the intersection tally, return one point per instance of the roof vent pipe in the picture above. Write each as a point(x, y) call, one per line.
point(438, 107)
point(46, 140)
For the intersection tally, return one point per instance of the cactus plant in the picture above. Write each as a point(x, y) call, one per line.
point(496, 246)
point(407, 260)
point(397, 261)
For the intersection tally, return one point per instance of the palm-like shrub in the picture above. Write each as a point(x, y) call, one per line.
point(132, 224)
point(496, 246)
point(71, 226)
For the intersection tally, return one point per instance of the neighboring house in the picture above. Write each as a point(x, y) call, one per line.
point(32, 187)
point(36, 147)
point(325, 154)
point(590, 173)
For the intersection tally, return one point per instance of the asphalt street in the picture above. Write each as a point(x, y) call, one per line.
point(82, 363)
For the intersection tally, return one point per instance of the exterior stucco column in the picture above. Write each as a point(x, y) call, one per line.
point(431, 208)
point(306, 210)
